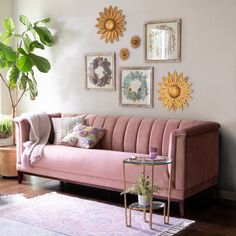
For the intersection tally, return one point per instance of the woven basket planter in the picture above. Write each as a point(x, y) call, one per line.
point(8, 161)
point(6, 141)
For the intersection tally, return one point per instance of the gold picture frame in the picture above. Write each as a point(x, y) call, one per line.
point(163, 40)
point(136, 86)
point(100, 71)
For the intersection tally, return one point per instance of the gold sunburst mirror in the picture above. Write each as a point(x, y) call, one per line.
point(111, 24)
point(175, 91)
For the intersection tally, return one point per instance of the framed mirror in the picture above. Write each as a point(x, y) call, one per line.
point(162, 40)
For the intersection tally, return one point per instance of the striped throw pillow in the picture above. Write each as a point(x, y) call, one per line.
point(62, 126)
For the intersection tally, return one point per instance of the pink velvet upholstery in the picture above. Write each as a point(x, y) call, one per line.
point(193, 146)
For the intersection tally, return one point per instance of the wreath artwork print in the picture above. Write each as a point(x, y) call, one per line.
point(136, 86)
point(100, 71)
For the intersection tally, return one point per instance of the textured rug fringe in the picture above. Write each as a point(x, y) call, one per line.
point(10, 199)
point(177, 228)
point(11, 195)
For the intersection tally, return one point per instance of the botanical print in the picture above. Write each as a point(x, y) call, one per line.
point(100, 71)
point(136, 86)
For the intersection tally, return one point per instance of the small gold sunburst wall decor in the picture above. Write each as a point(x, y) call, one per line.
point(124, 54)
point(174, 91)
point(135, 41)
point(111, 24)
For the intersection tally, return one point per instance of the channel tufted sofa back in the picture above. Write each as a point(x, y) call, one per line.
point(137, 134)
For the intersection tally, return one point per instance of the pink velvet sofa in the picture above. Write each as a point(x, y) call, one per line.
point(193, 146)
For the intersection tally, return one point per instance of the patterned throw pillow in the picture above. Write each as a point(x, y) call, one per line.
point(83, 136)
point(62, 126)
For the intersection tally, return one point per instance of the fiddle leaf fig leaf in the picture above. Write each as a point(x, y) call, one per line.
point(27, 41)
point(23, 82)
point(33, 92)
point(6, 40)
point(45, 35)
point(41, 63)
point(25, 21)
point(2, 63)
point(45, 20)
point(35, 44)
point(9, 25)
point(3, 36)
point(22, 51)
point(13, 77)
point(33, 32)
point(25, 63)
point(7, 53)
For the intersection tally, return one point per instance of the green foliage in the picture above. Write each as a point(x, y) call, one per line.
point(6, 126)
point(41, 63)
point(143, 187)
point(9, 25)
point(44, 35)
point(23, 59)
point(25, 21)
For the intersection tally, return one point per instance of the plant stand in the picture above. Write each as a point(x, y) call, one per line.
point(153, 204)
point(8, 161)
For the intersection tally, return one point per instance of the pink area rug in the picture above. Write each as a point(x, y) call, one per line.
point(56, 214)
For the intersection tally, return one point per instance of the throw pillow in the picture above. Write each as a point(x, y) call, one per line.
point(83, 136)
point(62, 126)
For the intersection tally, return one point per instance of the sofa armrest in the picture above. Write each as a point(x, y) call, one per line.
point(22, 130)
point(195, 154)
point(198, 129)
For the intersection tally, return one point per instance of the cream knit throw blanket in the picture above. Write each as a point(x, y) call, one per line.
point(40, 128)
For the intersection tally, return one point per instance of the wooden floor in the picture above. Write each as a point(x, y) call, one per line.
point(213, 217)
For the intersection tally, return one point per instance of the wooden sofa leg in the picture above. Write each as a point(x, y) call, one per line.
point(62, 184)
point(213, 192)
point(181, 208)
point(19, 177)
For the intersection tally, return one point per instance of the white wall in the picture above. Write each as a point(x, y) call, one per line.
point(6, 10)
point(208, 58)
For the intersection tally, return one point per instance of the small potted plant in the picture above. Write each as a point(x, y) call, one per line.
point(6, 130)
point(143, 188)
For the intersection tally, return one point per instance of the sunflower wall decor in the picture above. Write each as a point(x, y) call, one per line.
point(111, 24)
point(124, 54)
point(175, 91)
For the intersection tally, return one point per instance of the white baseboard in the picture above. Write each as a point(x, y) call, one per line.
point(227, 195)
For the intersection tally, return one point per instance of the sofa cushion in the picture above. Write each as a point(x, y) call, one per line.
point(95, 163)
point(83, 136)
point(62, 126)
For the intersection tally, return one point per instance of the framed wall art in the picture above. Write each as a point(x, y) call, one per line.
point(100, 71)
point(136, 86)
point(163, 40)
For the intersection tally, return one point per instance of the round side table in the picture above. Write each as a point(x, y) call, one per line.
point(8, 161)
point(144, 161)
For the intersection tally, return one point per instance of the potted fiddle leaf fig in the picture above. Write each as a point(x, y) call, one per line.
point(6, 130)
point(143, 189)
point(19, 57)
